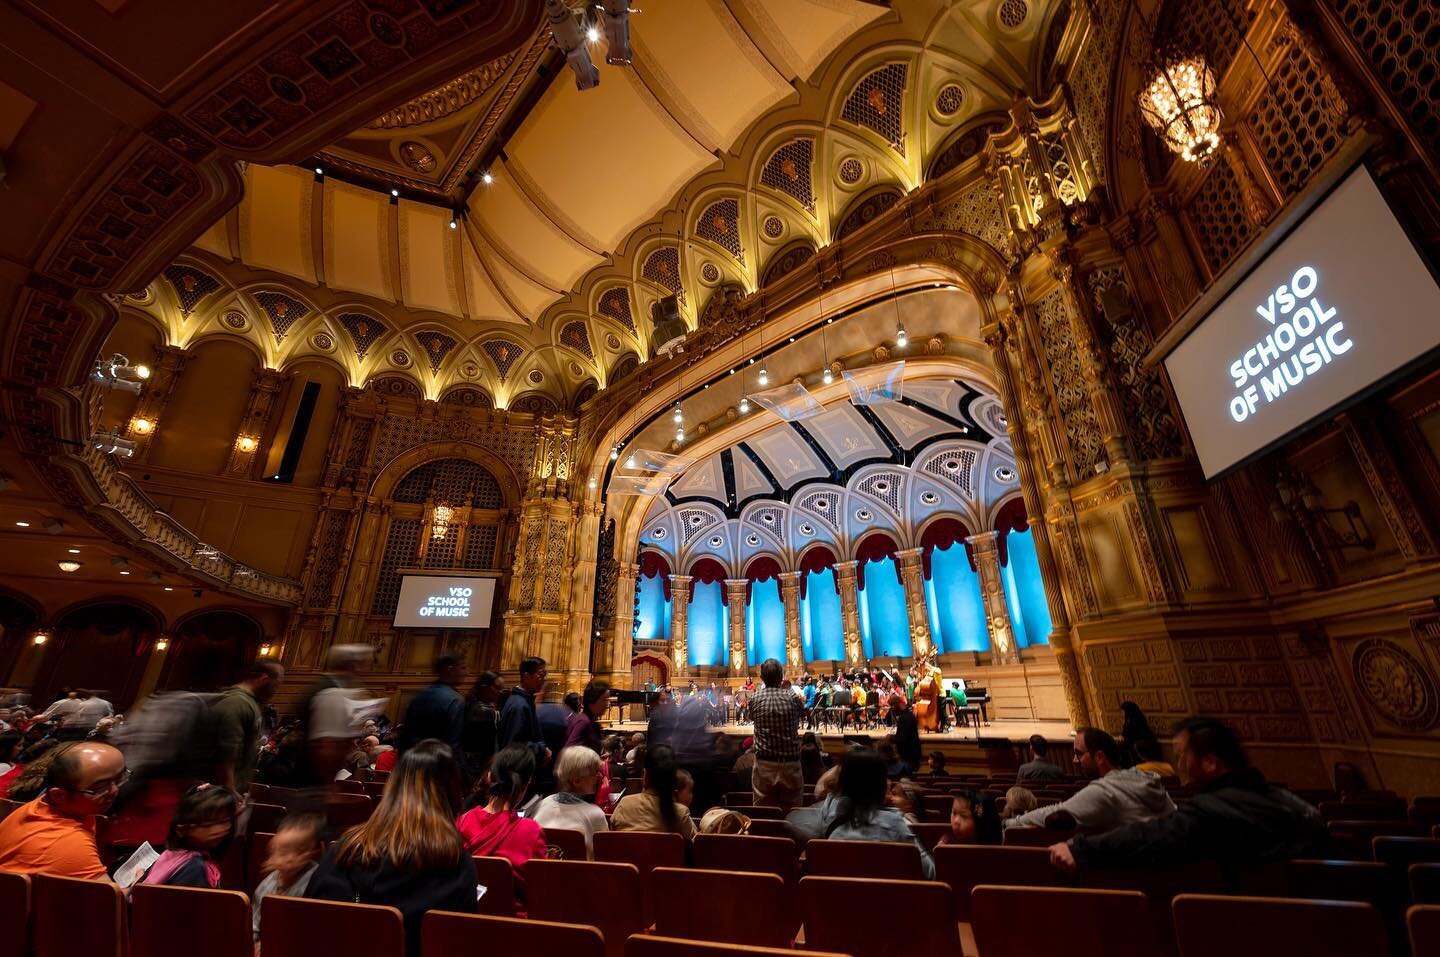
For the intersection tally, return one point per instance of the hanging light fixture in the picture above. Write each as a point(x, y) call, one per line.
point(679, 414)
point(614, 452)
point(901, 339)
point(828, 376)
point(764, 375)
point(744, 405)
point(1179, 105)
point(440, 520)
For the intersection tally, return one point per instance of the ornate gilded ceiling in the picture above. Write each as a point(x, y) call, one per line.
point(747, 134)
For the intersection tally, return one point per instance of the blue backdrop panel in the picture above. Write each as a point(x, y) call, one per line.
point(652, 617)
point(765, 622)
point(1024, 590)
point(708, 625)
point(822, 629)
point(884, 626)
point(956, 606)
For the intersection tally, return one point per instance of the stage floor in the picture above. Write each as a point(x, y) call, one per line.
point(1012, 728)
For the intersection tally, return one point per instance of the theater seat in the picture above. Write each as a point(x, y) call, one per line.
point(168, 920)
point(1075, 922)
point(647, 850)
point(1425, 883)
point(875, 859)
point(646, 945)
point(447, 935)
point(71, 917)
point(1424, 925)
point(498, 878)
point(726, 906)
point(569, 844)
point(298, 927)
point(962, 866)
point(603, 895)
point(1208, 925)
point(14, 914)
point(748, 852)
point(919, 916)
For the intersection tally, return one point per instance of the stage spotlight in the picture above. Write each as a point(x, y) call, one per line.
point(116, 372)
point(112, 444)
point(617, 31)
point(569, 36)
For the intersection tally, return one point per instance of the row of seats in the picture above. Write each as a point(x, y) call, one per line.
point(590, 910)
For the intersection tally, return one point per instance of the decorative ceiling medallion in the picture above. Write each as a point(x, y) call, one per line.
point(850, 171)
point(774, 227)
point(536, 377)
point(235, 320)
point(710, 273)
point(417, 156)
point(949, 100)
point(1013, 13)
point(612, 342)
point(575, 369)
point(400, 358)
point(1396, 684)
point(470, 369)
point(323, 341)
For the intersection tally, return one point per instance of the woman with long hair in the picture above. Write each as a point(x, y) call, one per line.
point(497, 829)
point(654, 808)
point(1134, 728)
point(860, 810)
point(409, 854)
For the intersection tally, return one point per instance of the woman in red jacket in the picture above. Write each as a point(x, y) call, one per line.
point(497, 829)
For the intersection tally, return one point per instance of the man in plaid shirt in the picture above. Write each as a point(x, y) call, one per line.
point(776, 712)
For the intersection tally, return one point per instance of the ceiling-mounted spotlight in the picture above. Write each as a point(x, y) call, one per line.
point(454, 220)
point(592, 33)
point(40, 638)
point(162, 643)
point(394, 193)
point(116, 372)
point(112, 444)
point(900, 338)
point(69, 565)
point(616, 17)
point(319, 172)
point(487, 177)
point(54, 526)
point(569, 36)
point(143, 426)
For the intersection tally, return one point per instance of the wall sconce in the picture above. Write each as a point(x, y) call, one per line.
point(162, 643)
point(1335, 527)
point(266, 650)
point(40, 638)
point(247, 443)
point(142, 426)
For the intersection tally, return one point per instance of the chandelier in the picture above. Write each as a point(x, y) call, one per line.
point(440, 520)
point(1179, 104)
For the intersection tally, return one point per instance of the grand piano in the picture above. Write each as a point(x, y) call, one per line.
point(620, 697)
point(978, 698)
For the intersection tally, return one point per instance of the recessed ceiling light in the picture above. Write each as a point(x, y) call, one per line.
point(124, 572)
point(168, 588)
point(23, 524)
point(73, 551)
point(69, 565)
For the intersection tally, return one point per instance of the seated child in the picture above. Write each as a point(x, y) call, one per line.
point(973, 820)
point(294, 851)
point(684, 788)
point(200, 833)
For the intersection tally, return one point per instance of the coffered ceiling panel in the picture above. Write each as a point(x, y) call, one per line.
point(357, 241)
point(749, 480)
point(275, 223)
point(427, 260)
point(605, 158)
point(845, 436)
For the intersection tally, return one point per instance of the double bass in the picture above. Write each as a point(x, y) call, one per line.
point(927, 694)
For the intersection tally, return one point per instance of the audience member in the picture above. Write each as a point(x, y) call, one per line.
point(813, 759)
point(554, 718)
point(684, 787)
point(935, 765)
point(236, 717)
point(518, 721)
point(573, 807)
point(744, 767)
point(973, 819)
point(409, 855)
point(637, 740)
point(437, 711)
point(907, 734)
point(327, 719)
point(55, 833)
point(497, 829)
point(777, 713)
point(859, 811)
point(1134, 728)
point(367, 749)
point(1039, 767)
point(1234, 816)
point(1019, 800)
point(654, 808)
point(1150, 759)
point(1113, 796)
point(293, 855)
point(481, 720)
point(80, 720)
point(584, 728)
point(200, 833)
point(10, 744)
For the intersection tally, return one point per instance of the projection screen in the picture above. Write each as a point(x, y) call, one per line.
point(436, 601)
point(1343, 301)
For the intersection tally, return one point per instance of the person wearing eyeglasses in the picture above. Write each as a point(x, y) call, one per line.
point(55, 833)
point(1113, 797)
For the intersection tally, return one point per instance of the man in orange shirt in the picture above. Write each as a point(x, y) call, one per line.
point(55, 833)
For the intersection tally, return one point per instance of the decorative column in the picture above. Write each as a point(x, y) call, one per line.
point(1003, 648)
point(845, 580)
point(245, 450)
point(622, 631)
point(912, 576)
point(585, 538)
point(154, 397)
point(790, 595)
point(679, 617)
point(360, 577)
point(1094, 363)
point(735, 589)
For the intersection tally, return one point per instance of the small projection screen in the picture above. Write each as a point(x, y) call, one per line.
point(435, 601)
point(1339, 304)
